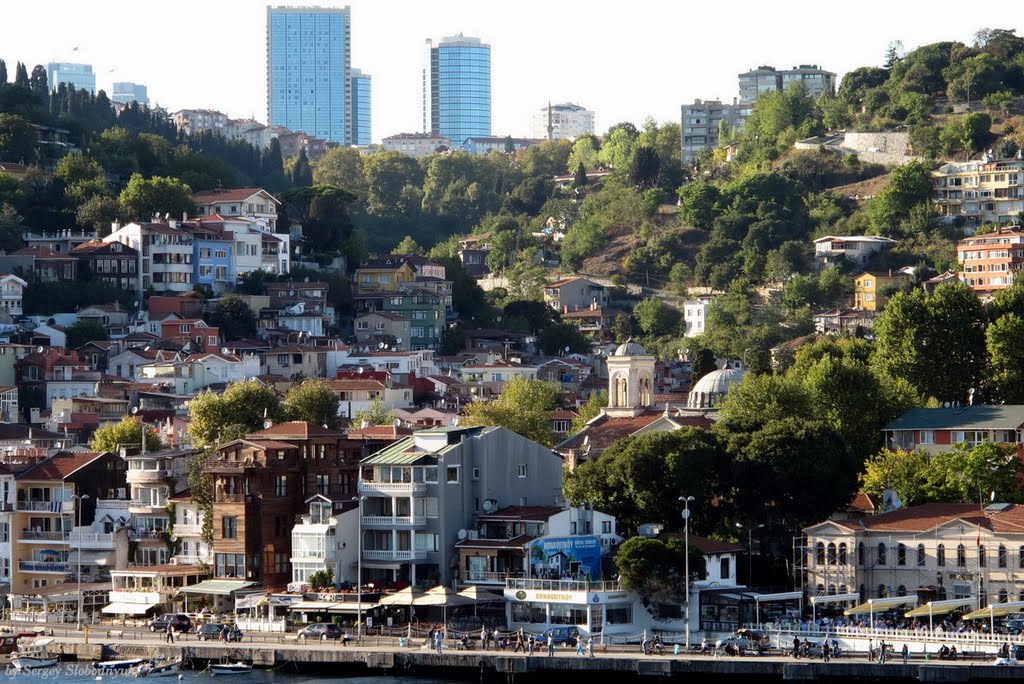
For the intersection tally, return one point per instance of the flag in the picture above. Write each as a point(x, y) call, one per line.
point(978, 542)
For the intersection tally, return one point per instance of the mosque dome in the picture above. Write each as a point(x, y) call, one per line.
point(630, 348)
point(710, 389)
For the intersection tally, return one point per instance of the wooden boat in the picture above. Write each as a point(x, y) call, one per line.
point(34, 656)
point(154, 668)
point(230, 668)
point(118, 665)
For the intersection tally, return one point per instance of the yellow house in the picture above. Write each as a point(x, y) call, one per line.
point(869, 286)
point(385, 275)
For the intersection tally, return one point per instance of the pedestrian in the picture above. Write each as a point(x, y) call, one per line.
point(439, 640)
point(533, 644)
point(170, 633)
point(551, 644)
point(496, 635)
point(825, 651)
point(796, 647)
point(906, 654)
point(579, 646)
point(484, 637)
point(881, 652)
point(590, 646)
point(645, 645)
point(519, 641)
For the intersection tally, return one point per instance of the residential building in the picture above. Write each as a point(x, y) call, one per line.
point(250, 131)
point(140, 589)
point(62, 241)
point(756, 82)
point(416, 144)
point(205, 337)
point(309, 85)
point(154, 477)
point(361, 89)
point(702, 121)
point(196, 121)
point(833, 250)
point(597, 321)
point(69, 378)
point(52, 497)
point(991, 261)
point(127, 364)
point(425, 311)
point(485, 380)
point(165, 254)
point(766, 79)
point(188, 528)
point(483, 145)
point(48, 266)
point(78, 76)
point(425, 488)
point(939, 429)
point(695, 315)
point(261, 483)
point(316, 542)
point(871, 289)
point(358, 393)
point(9, 411)
point(199, 371)
point(109, 262)
point(251, 203)
point(473, 254)
point(985, 191)
point(293, 142)
point(843, 321)
point(296, 360)
point(457, 88)
point(947, 551)
point(312, 296)
point(573, 294)
point(125, 92)
point(373, 328)
point(402, 365)
point(565, 121)
point(12, 290)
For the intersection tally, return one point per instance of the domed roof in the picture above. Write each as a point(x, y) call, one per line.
point(718, 382)
point(630, 348)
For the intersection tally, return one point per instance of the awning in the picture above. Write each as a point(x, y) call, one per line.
point(251, 601)
point(939, 607)
point(102, 558)
point(782, 596)
point(835, 598)
point(216, 587)
point(879, 605)
point(351, 607)
point(311, 606)
point(996, 610)
point(129, 608)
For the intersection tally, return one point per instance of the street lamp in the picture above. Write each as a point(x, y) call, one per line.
point(359, 571)
point(79, 498)
point(685, 500)
point(750, 550)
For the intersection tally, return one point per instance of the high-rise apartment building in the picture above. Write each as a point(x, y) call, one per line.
point(564, 121)
point(701, 122)
point(126, 92)
point(79, 75)
point(457, 88)
point(308, 70)
point(360, 114)
point(766, 79)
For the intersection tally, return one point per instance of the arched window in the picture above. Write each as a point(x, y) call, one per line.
point(862, 590)
point(831, 553)
point(982, 558)
point(842, 588)
point(901, 555)
point(860, 556)
point(820, 590)
point(831, 590)
point(882, 593)
point(921, 556)
point(820, 553)
point(1002, 558)
point(940, 555)
point(1003, 596)
point(961, 556)
point(881, 554)
point(842, 553)
point(901, 590)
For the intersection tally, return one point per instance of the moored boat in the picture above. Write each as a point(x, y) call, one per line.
point(34, 656)
point(159, 668)
point(118, 665)
point(230, 668)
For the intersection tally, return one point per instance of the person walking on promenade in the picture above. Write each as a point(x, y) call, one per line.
point(881, 652)
point(906, 654)
point(170, 633)
point(825, 653)
point(438, 640)
point(579, 647)
point(551, 644)
point(485, 636)
point(590, 646)
point(796, 647)
point(519, 641)
point(533, 644)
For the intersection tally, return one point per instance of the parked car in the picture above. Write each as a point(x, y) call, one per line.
point(745, 640)
point(321, 630)
point(1014, 626)
point(211, 631)
point(179, 623)
point(563, 636)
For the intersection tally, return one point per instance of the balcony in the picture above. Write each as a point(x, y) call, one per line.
point(192, 560)
point(187, 530)
point(147, 535)
point(396, 521)
point(140, 475)
point(92, 540)
point(39, 566)
point(389, 488)
point(45, 506)
point(481, 577)
point(39, 535)
point(397, 556)
point(147, 504)
point(135, 597)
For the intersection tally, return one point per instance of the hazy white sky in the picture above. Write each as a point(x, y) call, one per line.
point(624, 60)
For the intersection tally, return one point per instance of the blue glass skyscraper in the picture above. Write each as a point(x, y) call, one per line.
point(360, 114)
point(457, 89)
point(80, 76)
point(308, 64)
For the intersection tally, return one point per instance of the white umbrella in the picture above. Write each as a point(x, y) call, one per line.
point(479, 595)
point(403, 597)
point(443, 596)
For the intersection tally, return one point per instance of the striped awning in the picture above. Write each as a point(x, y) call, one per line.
point(934, 608)
point(996, 610)
point(879, 605)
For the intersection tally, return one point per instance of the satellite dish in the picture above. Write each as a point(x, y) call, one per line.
point(39, 350)
point(463, 534)
point(380, 345)
point(360, 371)
point(306, 279)
point(267, 424)
point(135, 410)
point(567, 349)
point(224, 350)
point(398, 340)
point(946, 404)
point(488, 505)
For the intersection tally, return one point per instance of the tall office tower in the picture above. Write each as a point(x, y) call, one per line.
point(308, 65)
point(457, 88)
point(79, 75)
point(360, 114)
point(125, 92)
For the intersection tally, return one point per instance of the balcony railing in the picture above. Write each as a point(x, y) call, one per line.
point(145, 503)
point(481, 577)
point(38, 535)
point(405, 488)
point(146, 475)
point(38, 566)
point(393, 521)
point(92, 540)
point(192, 560)
point(45, 506)
point(146, 535)
point(560, 585)
point(372, 555)
point(187, 530)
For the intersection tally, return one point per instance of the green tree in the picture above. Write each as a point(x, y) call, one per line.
point(127, 433)
point(312, 401)
point(905, 472)
point(655, 317)
point(142, 199)
point(909, 185)
point(697, 203)
point(1006, 357)
point(407, 246)
point(234, 317)
point(16, 139)
point(240, 409)
point(589, 410)
point(524, 406)
point(644, 167)
point(971, 474)
point(322, 580)
point(584, 153)
point(342, 167)
point(323, 212)
point(302, 173)
point(374, 414)
point(85, 331)
point(654, 568)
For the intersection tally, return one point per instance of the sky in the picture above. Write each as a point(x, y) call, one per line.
point(625, 61)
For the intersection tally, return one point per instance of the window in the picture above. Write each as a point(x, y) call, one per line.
point(606, 527)
point(426, 542)
point(452, 474)
point(230, 564)
point(521, 470)
point(927, 436)
point(842, 553)
point(280, 563)
point(961, 556)
point(5, 532)
point(229, 527)
point(281, 485)
point(940, 555)
point(982, 558)
point(724, 568)
point(820, 553)
point(362, 325)
point(323, 484)
point(476, 473)
point(881, 554)
point(831, 553)
point(860, 555)
point(281, 526)
point(901, 555)
point(920, 556)
point(1001, 556)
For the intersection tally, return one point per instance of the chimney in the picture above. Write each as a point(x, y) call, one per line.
point(115, 226)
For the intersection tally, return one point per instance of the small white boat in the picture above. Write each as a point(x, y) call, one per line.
point(155, 668)
point(34, 656)
point(118, 665)
point(230, 668)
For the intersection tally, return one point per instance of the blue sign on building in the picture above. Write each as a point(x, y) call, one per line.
point(571, 558)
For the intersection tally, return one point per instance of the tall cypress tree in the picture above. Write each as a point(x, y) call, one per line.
point(3, 72)
point(38, 82)
point(302, 173)
point(21, 76)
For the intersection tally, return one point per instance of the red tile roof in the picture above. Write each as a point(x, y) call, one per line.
point(60, 465)
point(379, 432)
point(296, 428)
point(228, 195)
point(604, 430)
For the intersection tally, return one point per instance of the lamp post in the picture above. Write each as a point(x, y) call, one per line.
point(79, 498)
point(686, 542)
point(359, 571)
point(750, 549)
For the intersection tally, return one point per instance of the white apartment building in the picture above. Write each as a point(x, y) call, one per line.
point(251, 203)
point(195, 121)
point(566, 121)
point(987, 191)
point(415, 144)
point(188, 528)
point(12, 290)
point(695, 315)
